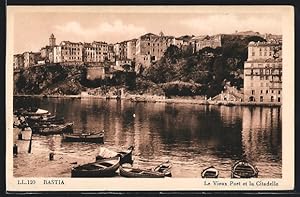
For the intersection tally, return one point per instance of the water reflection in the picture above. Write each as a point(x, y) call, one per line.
point(191, 136)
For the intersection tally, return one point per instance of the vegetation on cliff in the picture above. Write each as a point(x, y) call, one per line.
point(50, 79)
point(206, 70)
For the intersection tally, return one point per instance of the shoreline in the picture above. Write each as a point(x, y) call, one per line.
point(156, 99)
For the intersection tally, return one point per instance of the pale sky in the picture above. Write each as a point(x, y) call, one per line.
point(32, 30)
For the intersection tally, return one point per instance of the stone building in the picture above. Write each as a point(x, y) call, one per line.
point(110, 54)
point(131, 49)
point(263, 73)
point(18, 61)
point(95, 72)
point(120, 50)
point(151, 47)
point(68, 51)
point(178, 42)
point(31, 58)
point(52, 41)
point(200, 42)
point(95, 52)
point(101, 51)
point(124, 65)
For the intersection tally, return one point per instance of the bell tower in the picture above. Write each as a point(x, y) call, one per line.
point(52, 40)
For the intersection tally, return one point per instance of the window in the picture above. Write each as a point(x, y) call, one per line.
point(278, 91)
point(253, 92)
point(261, 84)
point(265, 54)
point(253, 53)
point(261, 98)
point(148, 43)
point(272, 91)
point(261, 91)
point(267, 91)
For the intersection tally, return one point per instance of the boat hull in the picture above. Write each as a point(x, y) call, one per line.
point(126, 156)
point(104, 168)
point(243, 169)
point(139, 173)
point(94, 138)
point(210, 172)
point(54, 129)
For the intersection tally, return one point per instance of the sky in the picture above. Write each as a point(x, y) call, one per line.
point(32, 29)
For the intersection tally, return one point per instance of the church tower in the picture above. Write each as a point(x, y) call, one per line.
point(52, 40)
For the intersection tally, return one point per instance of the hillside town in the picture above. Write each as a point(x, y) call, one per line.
point(262, 81)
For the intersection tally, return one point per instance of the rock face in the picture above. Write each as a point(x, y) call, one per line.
point(49, 79)
point(57, 79)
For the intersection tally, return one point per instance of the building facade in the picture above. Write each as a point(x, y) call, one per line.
point(131, 49)
point(68, 51)
point(200, 42)
point(31, 58)
point(151, 47)
point(52, 41)
point(18, 61)
point(263, 73)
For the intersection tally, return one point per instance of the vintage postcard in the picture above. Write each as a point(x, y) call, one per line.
point(150, 98)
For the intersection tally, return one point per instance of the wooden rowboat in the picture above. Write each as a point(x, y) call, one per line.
point(131, 172)
point(84, 137)
point(126, 155)
point(54, 129)
point(164, 168)
point(244, 169)
point(210, 172)
point(37, 112)
point(103, 168)
point(40, 123)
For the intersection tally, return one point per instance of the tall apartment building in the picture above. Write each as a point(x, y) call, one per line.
point(68, 51)
point(18, 61)
point(111, 54)
point(263, 72)
point(95, 52)
point(131, 49)
point(151, 47)
point(120, 50)
point(31, 58)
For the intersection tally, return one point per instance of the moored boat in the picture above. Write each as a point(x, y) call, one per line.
point(40, 122)
point(84, 137)
point(54, 129)
point(164, 168)
point(210, 172)
point(244, 169)
point(127, 171)
point(103, 168)
point(126, 155)
point(35, 112)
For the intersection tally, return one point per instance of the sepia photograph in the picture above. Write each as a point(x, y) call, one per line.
point(193, 97)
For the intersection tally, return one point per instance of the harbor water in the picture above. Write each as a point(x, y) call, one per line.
point(192, 137)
